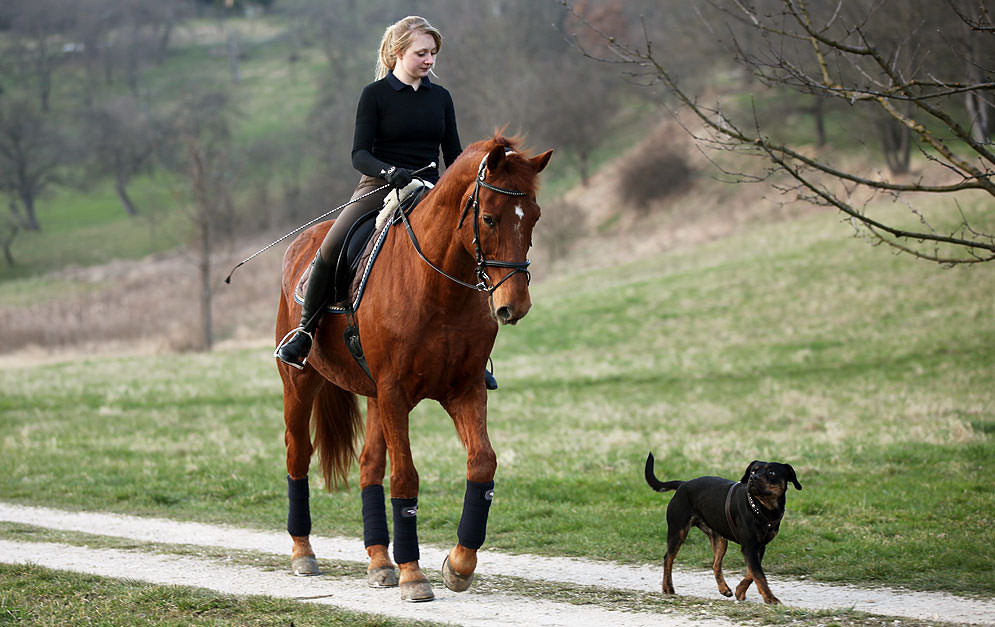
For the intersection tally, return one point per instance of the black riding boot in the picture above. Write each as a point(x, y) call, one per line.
point(320, 286)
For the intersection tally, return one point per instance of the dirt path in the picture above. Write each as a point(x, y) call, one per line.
point(467, 608)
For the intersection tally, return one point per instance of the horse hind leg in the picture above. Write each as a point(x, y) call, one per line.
point(336, 417)
point(298, 396)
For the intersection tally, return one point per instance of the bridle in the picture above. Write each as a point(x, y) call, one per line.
point(483, 280)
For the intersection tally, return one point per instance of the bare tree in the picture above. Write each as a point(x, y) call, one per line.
point(9, 230)
point(36, 43)
point(204, 141)
point(917, 78)
point(32, 153)
point(122, 137)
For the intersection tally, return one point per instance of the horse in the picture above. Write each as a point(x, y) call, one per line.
point(429, 315)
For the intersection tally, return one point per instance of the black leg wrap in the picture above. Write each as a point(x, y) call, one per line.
point(473, 523)
point(405, 530)
point(374, 516)
point(299, 513)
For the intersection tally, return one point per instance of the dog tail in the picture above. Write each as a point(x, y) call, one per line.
point(656, 484)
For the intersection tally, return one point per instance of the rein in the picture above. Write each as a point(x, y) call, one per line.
point(483, 280)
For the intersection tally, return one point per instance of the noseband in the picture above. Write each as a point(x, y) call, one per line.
point(483, 280)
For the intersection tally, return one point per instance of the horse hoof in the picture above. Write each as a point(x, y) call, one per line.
point(453, 580)
point(381, 577)
point(416, 591)
point(305, 566)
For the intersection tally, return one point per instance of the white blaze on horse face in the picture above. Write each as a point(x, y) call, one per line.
point(521, 216)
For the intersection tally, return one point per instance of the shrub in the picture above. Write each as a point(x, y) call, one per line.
point(655, 171)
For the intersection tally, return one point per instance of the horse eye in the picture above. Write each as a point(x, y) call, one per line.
point(489, 221)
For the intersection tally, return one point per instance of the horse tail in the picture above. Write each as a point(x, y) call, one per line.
point(337, 424)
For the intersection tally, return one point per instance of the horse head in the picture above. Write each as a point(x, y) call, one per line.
point(502, 211)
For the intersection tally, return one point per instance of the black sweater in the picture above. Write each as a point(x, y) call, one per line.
point(398, 126)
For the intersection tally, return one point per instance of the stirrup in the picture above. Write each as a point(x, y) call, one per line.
point(284, 341)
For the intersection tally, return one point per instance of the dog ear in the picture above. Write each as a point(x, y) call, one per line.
point(792, 477)
point(749, 471)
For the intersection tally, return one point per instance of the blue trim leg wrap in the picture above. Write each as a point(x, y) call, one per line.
point(299, 511)
point(405, 530)
point(476, 505)
point(374, 516)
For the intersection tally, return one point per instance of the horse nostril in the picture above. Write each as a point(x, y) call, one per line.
point(505, 315)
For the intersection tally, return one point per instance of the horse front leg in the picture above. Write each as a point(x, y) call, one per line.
point(393, 414)
point(380, 572)
point(298, 396)
point(469, 414)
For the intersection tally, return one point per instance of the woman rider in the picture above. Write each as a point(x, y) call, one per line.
point(402, 121)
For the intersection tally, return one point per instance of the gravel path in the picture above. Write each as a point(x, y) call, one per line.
point(468, 608)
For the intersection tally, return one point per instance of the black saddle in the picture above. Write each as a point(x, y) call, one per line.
point(359, 240)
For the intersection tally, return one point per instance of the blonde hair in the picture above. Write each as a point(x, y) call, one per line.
point(397, 38)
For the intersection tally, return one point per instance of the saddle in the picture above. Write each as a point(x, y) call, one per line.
point(362, 246)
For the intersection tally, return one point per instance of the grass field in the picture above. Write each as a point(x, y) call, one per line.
point(39, 596)
point(871, 374)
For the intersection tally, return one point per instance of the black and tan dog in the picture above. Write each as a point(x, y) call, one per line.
point(748, 513)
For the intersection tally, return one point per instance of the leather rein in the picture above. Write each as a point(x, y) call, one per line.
point(483, 280)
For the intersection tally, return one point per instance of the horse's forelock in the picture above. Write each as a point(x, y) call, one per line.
point(517, 171)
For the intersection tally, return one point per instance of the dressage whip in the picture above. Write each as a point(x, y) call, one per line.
point(318, 219)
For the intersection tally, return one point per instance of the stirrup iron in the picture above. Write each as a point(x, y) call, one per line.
point(286, 338)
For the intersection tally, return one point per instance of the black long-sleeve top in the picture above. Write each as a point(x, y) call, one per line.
point(398, 126)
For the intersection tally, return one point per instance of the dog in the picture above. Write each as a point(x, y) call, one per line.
point(748, 513)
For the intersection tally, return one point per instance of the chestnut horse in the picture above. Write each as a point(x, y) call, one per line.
point(428, 319)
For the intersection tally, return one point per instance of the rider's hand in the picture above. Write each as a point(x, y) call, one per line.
point(398, 178)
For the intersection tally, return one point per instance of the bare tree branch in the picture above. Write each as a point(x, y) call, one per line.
point(847, 62)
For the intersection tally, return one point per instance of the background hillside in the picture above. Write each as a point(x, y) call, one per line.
point(147, 147)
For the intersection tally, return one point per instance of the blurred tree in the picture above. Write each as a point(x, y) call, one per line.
point(9, 231)
point(914, 65)
point(33, 151)
point(121, 138)
point(203, 144)
point(37, 42)
point(509, 67)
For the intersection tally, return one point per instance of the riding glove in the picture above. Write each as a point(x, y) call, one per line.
point(398, 178)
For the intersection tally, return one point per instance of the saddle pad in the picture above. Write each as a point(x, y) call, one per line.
point(390, 205)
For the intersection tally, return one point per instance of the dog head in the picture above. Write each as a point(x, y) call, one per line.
point(765, 480)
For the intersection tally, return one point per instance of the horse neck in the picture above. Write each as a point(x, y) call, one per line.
point(435, 223)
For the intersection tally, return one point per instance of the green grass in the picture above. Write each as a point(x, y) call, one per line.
point(31, 595)
point(870, 373)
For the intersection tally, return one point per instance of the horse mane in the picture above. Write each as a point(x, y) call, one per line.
point(515, 173)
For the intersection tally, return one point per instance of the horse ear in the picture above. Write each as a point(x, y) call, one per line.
point(495, 158)
point(540, 162)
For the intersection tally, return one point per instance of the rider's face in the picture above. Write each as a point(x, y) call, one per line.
point(415, 63)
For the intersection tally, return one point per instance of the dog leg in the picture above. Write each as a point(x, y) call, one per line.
point(674, 542)
point(719, 546)
point(743, 587)
point(754, 572)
